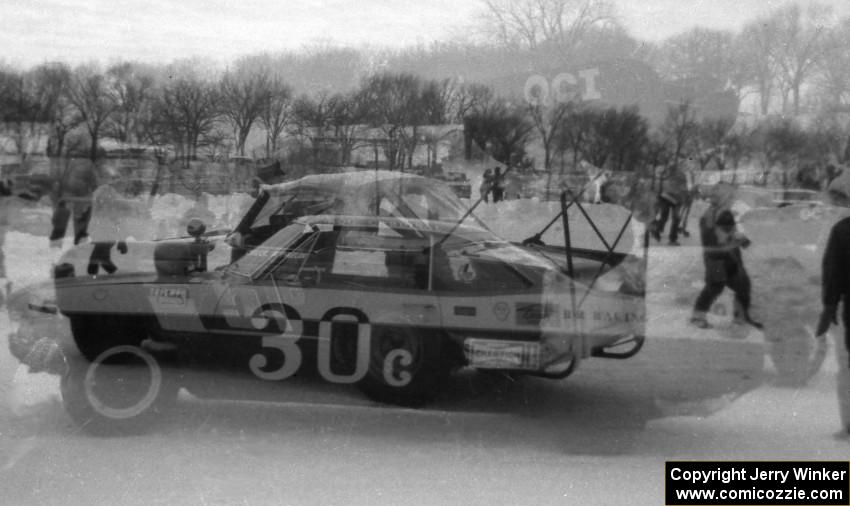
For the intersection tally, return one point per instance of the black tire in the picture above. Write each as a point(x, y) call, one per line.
point(405, 367)
point(95, 335)
point(121, 392)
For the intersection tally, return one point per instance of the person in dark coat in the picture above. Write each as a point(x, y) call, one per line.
point(498, 185)
point(724, 263)
point(671, 200)
point(59, 223)
point(77, 190)
point(835, 288)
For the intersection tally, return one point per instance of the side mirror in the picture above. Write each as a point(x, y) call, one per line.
point(196, 228)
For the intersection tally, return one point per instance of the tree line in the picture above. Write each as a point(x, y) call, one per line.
point(328, 100)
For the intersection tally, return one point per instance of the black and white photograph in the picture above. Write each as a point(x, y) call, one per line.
point(422, 252)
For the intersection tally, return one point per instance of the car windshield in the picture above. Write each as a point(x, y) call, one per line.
point(362, 194)
point(257, 258)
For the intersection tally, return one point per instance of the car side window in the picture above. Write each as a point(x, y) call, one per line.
point(309, 261)
point(459, 269)
point(380, 258)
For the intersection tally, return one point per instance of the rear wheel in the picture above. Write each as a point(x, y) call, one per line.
point(404, 368)
point(121, 391)
point(94, 336)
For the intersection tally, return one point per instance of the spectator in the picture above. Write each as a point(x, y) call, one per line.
point(80, 184)
point(724, 263)
point(672, 197)
point(498, 185)
point(486, 185)
point(59, 222)
point(835, 285)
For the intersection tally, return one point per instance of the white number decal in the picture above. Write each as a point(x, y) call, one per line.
point(285, 342)
point(364, 339)
point(403, 377)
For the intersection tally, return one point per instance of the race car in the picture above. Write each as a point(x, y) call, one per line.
point(390, 304)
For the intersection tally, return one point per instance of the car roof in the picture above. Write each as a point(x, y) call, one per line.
point(436, 226)
point(362, 193)
point(337, 180)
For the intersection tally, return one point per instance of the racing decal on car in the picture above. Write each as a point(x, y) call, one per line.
point(289, 323)
point(501, 310)
point(286, 343)
point(465, 311)
point(533, 313)
point(169, 296)
point(364, 342)
point(174, 308)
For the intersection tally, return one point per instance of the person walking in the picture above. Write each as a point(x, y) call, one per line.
point(835, 288)
point(671, 199)
point(724, 264)
point(76, 188)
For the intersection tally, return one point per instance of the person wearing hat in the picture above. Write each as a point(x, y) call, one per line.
point(724, 263)
point(835, 288)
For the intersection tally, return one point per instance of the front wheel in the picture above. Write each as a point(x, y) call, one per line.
point(404, 367)
point(120, 392)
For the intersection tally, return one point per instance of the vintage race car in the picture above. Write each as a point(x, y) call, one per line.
point(390, 304)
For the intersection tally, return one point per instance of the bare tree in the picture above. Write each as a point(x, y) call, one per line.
point(94, 102)
point(132, 86)
point(533, 23)
point(703, 58)
point(833, 71)
point(800, 47)
point(679, 131)
point(546, 119)
point(755, 51)
point(573, 131)
point(472, 99)
point(187, 110)
point(51, 82)
point(276, 113)
point(711, 142)
point(393, 104)
point(312, 118)
point(244, 98)
point(614, 138)
point(502, 131)
point(345, 116)
point(22, 116)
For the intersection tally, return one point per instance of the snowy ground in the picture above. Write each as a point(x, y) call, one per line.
point(600, 437)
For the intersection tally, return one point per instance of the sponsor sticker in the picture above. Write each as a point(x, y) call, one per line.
point(170, 296)
point(465, 311)
point(501, 310)
point(534, 313)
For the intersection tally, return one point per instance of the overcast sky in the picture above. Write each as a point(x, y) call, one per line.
point(35, 31)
